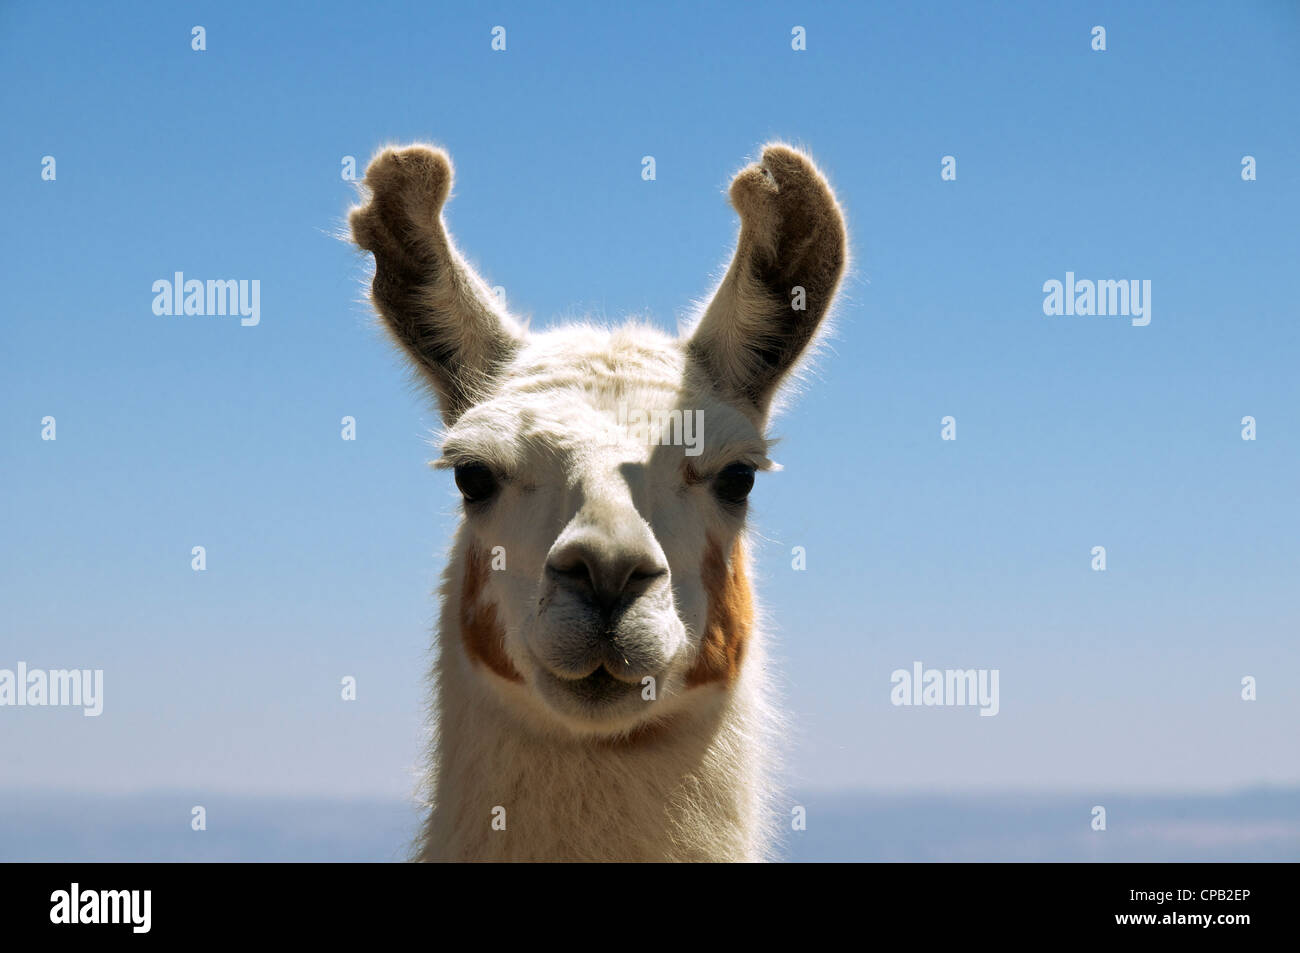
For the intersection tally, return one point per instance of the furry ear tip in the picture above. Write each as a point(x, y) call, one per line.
point(418, 168)
point(778, 151)
point(749, 188)
point(359, 227)
point(417, 154)
point(787, 163)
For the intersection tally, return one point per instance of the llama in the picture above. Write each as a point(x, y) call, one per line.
point(600, 686)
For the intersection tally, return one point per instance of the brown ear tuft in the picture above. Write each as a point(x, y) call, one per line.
point(434, 305)
point(789, 259)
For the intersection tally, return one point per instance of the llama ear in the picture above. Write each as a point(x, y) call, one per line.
point(789, 259)
point(435, 306)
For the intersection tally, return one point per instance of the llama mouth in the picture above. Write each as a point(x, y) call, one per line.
point(599, 687)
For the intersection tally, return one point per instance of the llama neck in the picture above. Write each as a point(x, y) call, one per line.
point(505, 791)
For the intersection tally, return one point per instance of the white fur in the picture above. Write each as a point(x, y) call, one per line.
point(526, 765)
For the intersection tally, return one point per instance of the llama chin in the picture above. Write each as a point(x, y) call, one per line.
point(601, 685)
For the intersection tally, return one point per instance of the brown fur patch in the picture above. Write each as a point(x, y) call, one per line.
point(482, 634)
point(730, 619)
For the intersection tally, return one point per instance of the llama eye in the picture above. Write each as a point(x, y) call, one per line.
point(476, 482)
point(733, 484)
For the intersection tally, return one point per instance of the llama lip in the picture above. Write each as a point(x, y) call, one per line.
point(599, 687)
point(584, 652)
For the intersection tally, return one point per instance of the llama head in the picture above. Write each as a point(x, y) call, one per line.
point(598, 576)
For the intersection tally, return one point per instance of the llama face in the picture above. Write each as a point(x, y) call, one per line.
point(604, 482)
point(604, 473)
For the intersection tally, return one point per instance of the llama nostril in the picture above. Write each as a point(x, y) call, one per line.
point(646, 575)
point(574, 574)
point(607, 583)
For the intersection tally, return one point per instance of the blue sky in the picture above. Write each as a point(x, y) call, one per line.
point(1072, 431)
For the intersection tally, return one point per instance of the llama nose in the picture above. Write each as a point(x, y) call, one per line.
point(607, 575)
